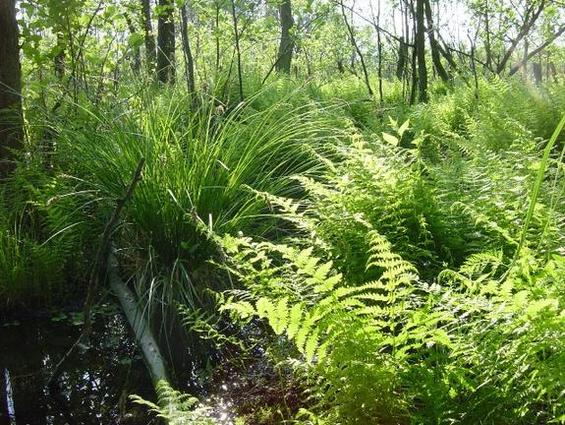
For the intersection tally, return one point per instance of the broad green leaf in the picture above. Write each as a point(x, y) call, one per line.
point(403, 127)
point(389, 138)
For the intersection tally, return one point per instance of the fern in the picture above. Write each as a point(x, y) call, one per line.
point(176, 408)
point(311, 304)
point(208, 326)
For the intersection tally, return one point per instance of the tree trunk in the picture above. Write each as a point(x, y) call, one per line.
point(552, 71)
point(414, 78)
point(237, 50)
point(402, 59)
point(379, 49)
point(340, 67)
point(406, 6)
point(537, 69)
point(287, 42)
point(166, 43)
point(488, 50)
point(146, 341)
point(525, 59)
point(10, 87)
point(474, 70)
point(434, 44)
point(357, 50)
point(420, 45)
point(150, 54)
point(188, 59)
point(59, 58)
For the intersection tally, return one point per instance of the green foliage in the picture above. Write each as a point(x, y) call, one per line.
point(332, 325)
point(411, 266)
point(175, 407)
point(34, 264)
point(508, 337)
point(481, 341)
point(30, 272)
point(407, 259)
point(199, 168)
point(501, 114)
point(469, 348)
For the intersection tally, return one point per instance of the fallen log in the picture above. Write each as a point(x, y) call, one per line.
point(144, 336)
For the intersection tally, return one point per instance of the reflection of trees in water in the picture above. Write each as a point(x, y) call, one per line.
point(94, 385)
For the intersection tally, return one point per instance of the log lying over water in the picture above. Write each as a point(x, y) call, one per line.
point(139, 324)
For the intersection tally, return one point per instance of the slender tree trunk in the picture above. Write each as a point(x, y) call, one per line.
point(10, 87)
point(237, 50)
point(357, 49)
point(474, 70)
point(308, 63)
point(414, 75)
point(286, 46)
point(537, 69)
point(446, 53)
point(525, 59)
point(488, 50)
point(166, 43)
point(552, 70)
point(379, 49)
point(188, 59)
point(150, 54)
point(420, 46)
point(340, 67)
point(407, 8)
point(402, 59)
point(137, 319)
point(59, 58)
point(434, 44)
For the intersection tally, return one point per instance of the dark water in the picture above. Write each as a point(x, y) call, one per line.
point(95, 382)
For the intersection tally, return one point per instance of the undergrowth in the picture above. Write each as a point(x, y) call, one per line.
point(411, 268)
point(378, 341)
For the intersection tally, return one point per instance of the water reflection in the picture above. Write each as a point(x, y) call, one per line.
point(95, 382)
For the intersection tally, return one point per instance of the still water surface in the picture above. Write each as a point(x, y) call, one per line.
point(95, 382)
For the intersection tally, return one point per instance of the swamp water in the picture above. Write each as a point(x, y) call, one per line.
point(95, 383)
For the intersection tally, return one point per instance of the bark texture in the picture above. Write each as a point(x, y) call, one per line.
point(286, 45)
point(420, 43)
point(166, 42)
point(10, 87)
point(434, 46)
point(188, 58)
